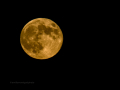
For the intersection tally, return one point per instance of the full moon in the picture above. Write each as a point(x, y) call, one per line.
point(41, 38)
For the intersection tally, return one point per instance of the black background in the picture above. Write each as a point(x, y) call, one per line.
point(81, 53)
point(24, 68)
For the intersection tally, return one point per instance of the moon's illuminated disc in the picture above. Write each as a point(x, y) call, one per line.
point(41, 38)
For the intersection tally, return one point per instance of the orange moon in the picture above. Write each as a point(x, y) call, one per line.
point(41, 38)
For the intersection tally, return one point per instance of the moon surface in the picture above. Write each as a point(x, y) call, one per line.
point(41, 38)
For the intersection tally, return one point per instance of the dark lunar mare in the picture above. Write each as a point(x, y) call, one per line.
point(54, 37)
point(30, 31)
point(25, 44)
point(33, 44)
point(53, 24)
point(36, 47)
point(56, 31)
point(47, 30)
